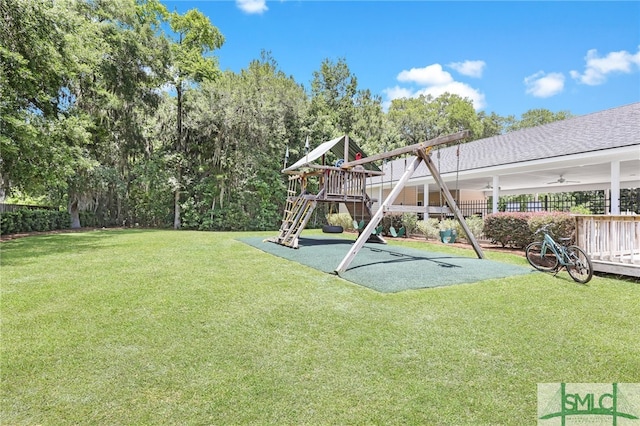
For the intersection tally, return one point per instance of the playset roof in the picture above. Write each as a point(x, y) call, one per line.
point(336, 146)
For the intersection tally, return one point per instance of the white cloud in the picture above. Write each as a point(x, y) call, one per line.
point(469, 68)
point(398, 92)
point(597, 67)
point(252, 6)
point(434, 81)
point(429, 75)
point(542, 85)
point(457, 88)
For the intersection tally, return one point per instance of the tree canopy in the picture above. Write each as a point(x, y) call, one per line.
point(118, 108)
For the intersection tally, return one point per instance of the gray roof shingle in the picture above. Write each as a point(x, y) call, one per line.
point(612, 128)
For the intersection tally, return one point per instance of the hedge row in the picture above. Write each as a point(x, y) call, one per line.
point(519, 229)
point(40, 221)
point(507, 229)
point(33, 220)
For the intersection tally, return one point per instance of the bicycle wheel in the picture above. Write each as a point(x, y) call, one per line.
point(580, 267)
point(546, 262)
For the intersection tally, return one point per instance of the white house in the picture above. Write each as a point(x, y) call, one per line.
point(598, 151)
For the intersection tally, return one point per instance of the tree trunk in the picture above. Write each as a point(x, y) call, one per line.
point(75, 215)
point(179, 148)
point(176, 210)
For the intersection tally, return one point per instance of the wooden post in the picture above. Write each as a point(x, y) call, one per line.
point(615, 188)
point(451, 201)
point(346, 148)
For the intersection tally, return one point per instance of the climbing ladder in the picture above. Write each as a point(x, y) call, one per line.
point(297, 212)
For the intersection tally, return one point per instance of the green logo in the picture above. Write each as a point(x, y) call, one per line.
point(616, 404)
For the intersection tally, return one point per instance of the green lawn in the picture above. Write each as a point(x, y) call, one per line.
point(164, 327)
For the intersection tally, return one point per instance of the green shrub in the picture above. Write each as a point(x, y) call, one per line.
point(557, 224)
point(508, 229)
point(428, 228)
point(7, 223)
point(446, 224)
point(581, 209)
point(475, 224)
point(89, 220)
point(390, 220)
point(518, 229)
point(230, 218)
point(60, 220)
point(410, 223)
point(33, 221)
point(340, 219)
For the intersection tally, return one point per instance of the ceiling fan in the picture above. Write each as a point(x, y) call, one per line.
point(561, 179)
point(488, 187)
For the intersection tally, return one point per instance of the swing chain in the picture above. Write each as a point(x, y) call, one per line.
point(440, 190)
point(457, 172)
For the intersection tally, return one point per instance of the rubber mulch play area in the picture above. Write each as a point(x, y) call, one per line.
point(389, 268)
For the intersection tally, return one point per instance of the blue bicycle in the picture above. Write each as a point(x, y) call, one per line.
point(549, 256)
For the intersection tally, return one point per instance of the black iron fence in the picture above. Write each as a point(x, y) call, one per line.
point(592, 202)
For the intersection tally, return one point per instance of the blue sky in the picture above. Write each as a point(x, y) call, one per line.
point(507, 57)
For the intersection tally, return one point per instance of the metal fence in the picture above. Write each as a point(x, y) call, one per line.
point(594, 202)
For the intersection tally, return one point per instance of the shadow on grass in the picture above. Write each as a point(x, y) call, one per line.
point(30, 248)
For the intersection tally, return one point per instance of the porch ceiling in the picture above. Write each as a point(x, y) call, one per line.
point(579, 174)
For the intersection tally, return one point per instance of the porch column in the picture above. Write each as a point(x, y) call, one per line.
point(346, 148)
point(495, 194)
point(425, 201)
point(615, 187)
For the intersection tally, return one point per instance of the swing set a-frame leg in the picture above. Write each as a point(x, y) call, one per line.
point(366, 232)
point(451, 201)
point(421, 155)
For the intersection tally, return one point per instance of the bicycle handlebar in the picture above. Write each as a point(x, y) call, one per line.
point(545, 229)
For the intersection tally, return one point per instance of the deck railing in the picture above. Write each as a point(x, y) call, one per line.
point(612, 242)
point(344, 183)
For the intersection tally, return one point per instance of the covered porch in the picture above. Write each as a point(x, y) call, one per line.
point(594, 152)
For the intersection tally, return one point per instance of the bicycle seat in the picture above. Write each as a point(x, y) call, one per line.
point(564, 241)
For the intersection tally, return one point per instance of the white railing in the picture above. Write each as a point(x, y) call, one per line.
point(613, 241)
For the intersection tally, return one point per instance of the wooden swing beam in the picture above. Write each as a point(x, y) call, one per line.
point(409, 149)
point(422, 153)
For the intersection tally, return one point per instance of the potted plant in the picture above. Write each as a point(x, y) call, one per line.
point(448, 231)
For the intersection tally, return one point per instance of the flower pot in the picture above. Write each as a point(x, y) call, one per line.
point(448, 236)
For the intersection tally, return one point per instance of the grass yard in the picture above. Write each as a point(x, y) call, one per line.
point(193, 328)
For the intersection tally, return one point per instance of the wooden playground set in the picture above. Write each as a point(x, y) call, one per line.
point(346, 182)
